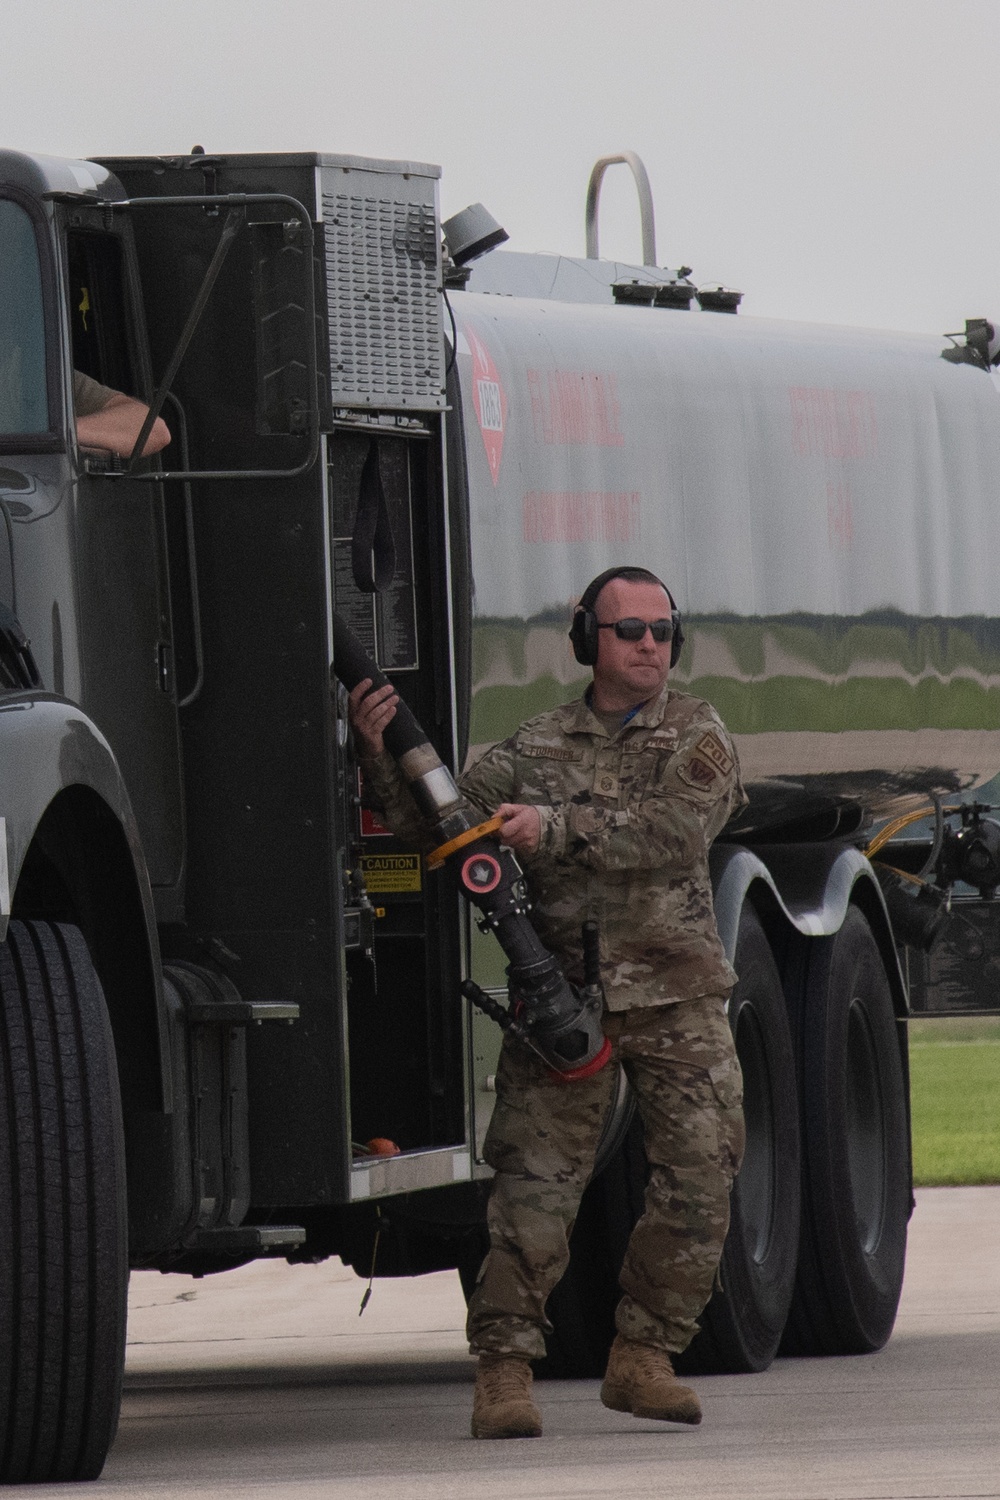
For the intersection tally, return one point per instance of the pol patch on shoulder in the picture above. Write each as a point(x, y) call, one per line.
point(713, 750)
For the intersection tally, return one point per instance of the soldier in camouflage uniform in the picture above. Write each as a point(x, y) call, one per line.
point(611, 804)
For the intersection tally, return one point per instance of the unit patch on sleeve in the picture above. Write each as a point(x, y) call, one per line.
point(698, 773)
point(714, 751)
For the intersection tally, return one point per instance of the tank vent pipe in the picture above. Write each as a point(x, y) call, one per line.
point(634, 163)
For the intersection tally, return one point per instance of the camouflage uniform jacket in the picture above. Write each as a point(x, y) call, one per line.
point(626, 824)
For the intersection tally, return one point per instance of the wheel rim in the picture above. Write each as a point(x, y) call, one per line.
point(866, 1143)
point(758, 1172)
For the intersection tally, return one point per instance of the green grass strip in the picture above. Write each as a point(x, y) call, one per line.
point(955, 1094)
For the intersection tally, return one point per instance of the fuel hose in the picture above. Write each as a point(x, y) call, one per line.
point(560, 1021)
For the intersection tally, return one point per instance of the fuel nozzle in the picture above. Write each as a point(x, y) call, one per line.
point(561, 1022)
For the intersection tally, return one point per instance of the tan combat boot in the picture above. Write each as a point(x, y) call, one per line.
point(641, 1379)
point(502, 1406)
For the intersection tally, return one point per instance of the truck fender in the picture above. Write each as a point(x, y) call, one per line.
point(808, 888)
point(64, 807)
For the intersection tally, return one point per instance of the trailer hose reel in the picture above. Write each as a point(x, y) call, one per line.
point(560, 1021)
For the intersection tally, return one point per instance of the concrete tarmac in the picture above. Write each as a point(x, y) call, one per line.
point(265, 1382)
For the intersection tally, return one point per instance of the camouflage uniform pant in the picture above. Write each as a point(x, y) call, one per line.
point(542, 1140)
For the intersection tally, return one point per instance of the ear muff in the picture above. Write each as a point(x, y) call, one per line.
point(583, 632)
point(583, 635)
point(677, 639)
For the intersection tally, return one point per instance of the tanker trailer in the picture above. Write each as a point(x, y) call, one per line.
point(821, 502)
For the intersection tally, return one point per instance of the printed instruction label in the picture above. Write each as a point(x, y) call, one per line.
point(386, 874)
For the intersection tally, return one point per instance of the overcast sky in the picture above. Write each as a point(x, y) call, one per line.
point(836, 160)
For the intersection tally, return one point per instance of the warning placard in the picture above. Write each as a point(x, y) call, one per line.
point(388, 873)
point(490, 401)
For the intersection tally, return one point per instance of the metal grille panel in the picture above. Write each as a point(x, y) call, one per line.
point(383, 270)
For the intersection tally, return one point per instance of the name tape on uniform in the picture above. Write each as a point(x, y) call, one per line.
point(550, 752)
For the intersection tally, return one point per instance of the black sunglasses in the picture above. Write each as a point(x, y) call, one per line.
point(634, 630)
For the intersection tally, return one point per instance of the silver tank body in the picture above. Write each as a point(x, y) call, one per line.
point(822, 501)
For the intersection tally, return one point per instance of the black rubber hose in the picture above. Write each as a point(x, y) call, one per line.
point(352, 664)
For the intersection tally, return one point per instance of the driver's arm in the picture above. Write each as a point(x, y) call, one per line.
point(111, 420)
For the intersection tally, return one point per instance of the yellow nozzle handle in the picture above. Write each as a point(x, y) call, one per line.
point(437, 856)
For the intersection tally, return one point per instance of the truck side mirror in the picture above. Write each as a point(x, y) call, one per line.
point(281, 329)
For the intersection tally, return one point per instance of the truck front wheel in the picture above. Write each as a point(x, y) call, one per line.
point(63, 1233)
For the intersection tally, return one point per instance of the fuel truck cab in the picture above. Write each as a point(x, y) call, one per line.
point(235, 991)
point(180, 818)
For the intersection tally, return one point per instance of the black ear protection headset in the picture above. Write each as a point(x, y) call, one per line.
point(584, 633)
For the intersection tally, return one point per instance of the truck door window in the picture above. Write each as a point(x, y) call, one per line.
point(24, 401)
point(98, 311)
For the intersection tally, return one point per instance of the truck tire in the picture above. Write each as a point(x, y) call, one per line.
point(855, 1143)
point(742, 1325)
point(63, 1236)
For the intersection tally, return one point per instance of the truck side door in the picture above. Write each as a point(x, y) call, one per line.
point(126, 635)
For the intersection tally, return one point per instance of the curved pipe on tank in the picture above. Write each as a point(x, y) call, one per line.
point(812, 888)
point(641, 177)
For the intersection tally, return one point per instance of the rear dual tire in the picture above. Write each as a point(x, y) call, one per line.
point(742, 1325)
point(855, 1139)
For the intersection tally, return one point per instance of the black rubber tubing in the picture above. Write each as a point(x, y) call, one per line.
point(352, 665)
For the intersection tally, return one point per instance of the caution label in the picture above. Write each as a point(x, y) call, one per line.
point(388, 873)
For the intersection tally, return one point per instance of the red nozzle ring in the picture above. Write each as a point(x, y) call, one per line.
point(573, 1075)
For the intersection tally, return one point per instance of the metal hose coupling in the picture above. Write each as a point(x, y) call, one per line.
point(559, 1021)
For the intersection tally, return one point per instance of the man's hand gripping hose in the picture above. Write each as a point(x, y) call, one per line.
point(559, 1021)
